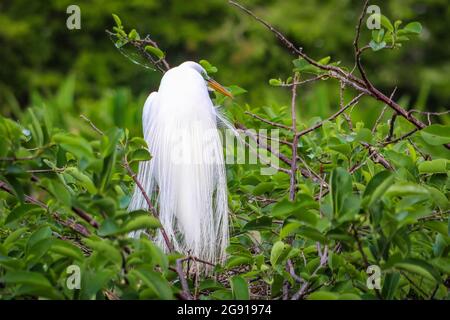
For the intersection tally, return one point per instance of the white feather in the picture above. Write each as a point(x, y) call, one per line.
point(186, 175)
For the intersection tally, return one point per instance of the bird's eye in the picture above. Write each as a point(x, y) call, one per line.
point(205, 75)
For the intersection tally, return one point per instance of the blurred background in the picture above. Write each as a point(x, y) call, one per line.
point(44, 62)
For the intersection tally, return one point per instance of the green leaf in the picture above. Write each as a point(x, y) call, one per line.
point(402, 189)
point(84, 180)
point(385, 22)
point(22, 210)
point(349, 296)
point(235, 261)
point(133, 35)
point(341, 188)
point(141, 222)
point(419, 267)
point(66, 249)
point(390, 285)
point(117, 20)
point(364, 135)
point(377, 186)
point(40, 234)
point(263, 187)
point(323, 295)
point(312, 233)
point(376, 46)
point(154, 281)
point(209, 68)
point(158, 256)
point(36, 129)
point(106, 250)
point(239, 288)
point(155, 51)
point(261, 223)
point(413, 27)
point(26, 277)
point(436, 134)
point(301, 65)
point(15, 235)
point(289, 228)
point(433, 166)
point(275, 82)
point(140, 155)
point(325, 61)
point(279, 250)
point(283, 208)
point(75, 145)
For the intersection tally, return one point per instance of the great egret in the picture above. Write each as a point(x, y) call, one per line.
point(186, 175)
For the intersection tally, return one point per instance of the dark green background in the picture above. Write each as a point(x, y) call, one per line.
point(38, 52)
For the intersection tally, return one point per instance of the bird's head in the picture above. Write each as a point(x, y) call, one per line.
point(213, 84)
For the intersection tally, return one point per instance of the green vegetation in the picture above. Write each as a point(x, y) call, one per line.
point(364, 193)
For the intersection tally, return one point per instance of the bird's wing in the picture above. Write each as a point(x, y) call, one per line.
point(148, 112)
point(144, 175)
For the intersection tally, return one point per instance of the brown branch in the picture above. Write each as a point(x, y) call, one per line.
point(357, 51)
point(160, 64)
point(380, 117)
point(152, 209)
point(377, 157)
point(275, 124)
point(67, 223)
point(86, 217)
point(100, 132)
point(323, 261)
point(279, 155)
point(406, 135)
point(332, 117)
point(429, 112)
point(299, 83)
point(184, 285)
point(291, 270)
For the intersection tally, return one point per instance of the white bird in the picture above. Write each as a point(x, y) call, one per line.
point(186, 175)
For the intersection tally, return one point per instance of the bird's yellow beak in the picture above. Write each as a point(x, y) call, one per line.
point(218, 87)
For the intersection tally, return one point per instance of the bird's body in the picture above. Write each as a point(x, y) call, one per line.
point(186, 175)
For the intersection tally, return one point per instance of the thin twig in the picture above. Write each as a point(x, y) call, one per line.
point(100, 132)
point(272, 123)
point(293, 175)
point(68, 223)
point(323, 261)
point(183, 281)
point(332, 117)
point(380, 117)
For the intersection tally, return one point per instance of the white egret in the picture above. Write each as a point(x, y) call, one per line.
point(186, 175)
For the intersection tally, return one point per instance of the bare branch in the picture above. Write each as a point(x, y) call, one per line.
point(275, 124)
point(293, 177)
point(68, 223)
point(332, 117)
point(184, 285)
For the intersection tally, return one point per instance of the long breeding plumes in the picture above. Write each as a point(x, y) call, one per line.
point(186, 175)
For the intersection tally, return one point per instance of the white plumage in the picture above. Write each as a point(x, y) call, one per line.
point(186, 175)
